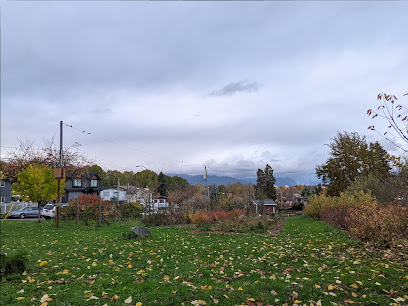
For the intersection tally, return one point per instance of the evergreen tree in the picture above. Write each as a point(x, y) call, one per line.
point(162, 187)
point(265, 184)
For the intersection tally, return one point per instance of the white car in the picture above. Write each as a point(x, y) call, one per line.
point(49, 211)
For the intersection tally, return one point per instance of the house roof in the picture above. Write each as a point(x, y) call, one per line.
point(266, 202)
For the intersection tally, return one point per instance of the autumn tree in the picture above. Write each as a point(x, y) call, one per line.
point(75, 162)
point(37, 183)
point(176, 182)
point(265, 184)
point(351, 157)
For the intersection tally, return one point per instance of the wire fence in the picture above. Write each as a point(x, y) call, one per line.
point(5, 207)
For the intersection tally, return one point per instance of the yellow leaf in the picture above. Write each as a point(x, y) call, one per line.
point(44, 304)
point(297, 302)
point(354, 294)
point(20, 298)
point(317, 286)
point(240, 289)
point(43, 263)
point(227, 297)
point(139, 304)
point(250, 299)
point(354, 286)
point(128, 300)
point(198, 302)
point(330, 287)
point(359, 282)
point(64, 272)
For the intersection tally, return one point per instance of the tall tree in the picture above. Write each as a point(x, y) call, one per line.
point(162, 188)
point(351, 157)
point(265, 184)
point(37, 182)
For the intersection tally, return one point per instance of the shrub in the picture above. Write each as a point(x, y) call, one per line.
point(130, 210)
point(165, 218)
point(12, 264)
point(88, 206)
point(319, 204)
point(245, 224)
point(336, 217)
point(384, 225)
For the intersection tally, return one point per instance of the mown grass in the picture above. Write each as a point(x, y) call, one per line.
point(308, 261)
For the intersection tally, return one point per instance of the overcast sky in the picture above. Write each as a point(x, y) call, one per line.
point(174, 86)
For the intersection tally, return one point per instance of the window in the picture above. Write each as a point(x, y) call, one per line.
point(77, 183)
point(2, 199)
point(2, 184)
point(94, 183)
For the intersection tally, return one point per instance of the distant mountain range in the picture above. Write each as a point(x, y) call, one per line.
point(226, 180)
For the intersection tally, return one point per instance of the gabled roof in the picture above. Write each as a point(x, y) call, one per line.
point(87, 176)
point(266, 202)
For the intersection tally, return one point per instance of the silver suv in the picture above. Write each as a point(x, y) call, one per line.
point(49, 211)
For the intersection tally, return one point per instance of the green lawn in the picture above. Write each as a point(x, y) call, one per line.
point(308, 261)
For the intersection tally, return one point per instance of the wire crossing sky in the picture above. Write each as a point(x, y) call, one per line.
point(174, 86)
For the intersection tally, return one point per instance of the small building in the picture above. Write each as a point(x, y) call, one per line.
point(137, 195)
point(5, 191)
point(160, 203)
point(111, 194)
point(89, 183)
point(269, 206)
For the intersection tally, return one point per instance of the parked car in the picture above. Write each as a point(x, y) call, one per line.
point(25, 212)
point(48, 211)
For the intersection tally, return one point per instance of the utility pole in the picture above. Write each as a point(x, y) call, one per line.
point(208, 190)
point(117, 200)
point(59, 178)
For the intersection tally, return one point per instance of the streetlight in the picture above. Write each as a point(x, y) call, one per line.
point(148, 187)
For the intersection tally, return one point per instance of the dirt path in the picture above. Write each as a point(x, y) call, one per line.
point(273, 232)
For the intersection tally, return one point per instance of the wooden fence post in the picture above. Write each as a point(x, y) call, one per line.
point(100, 210)
point(77, 210)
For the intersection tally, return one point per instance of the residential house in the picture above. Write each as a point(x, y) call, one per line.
point(160, 203)
point(89, 183)
point(269, 206)
point(5, 191)
point(137, 195)
point(112, 194)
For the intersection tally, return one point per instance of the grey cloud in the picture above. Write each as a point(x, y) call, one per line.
point(236, 87)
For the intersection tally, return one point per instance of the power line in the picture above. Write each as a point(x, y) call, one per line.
point(125, 146)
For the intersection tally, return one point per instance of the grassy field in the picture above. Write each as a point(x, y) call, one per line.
point(308, 261)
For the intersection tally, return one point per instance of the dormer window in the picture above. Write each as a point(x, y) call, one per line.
point(77, 183)
point(94, 183)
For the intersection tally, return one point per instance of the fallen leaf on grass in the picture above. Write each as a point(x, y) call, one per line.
point(20, 298)
point(128, 300)
point(215, 300)
point(45, 298)
point(198, 302)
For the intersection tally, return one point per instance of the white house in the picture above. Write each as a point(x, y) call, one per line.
point(137, 195)
point(111, 194)
point(160, 203)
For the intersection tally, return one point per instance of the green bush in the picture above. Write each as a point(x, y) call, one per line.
point(130, 210)
point(12, 264)
point(321, 203)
